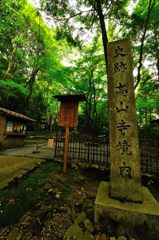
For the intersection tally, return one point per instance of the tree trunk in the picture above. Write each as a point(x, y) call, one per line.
point(11, 63)
point(30, 84)
point(103, 29)
point(157, 65)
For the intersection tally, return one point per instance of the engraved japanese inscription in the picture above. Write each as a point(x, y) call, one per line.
point(124, 150)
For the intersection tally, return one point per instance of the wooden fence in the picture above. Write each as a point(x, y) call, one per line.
point(86, 149)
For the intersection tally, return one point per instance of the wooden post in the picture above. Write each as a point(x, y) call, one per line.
point(66, 150)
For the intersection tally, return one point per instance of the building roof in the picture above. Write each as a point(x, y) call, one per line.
point(71, 98)
point(6, 112)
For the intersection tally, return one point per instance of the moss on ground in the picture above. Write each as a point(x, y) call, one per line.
point(25, 194)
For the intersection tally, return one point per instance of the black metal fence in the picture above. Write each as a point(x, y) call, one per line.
point(86, 149)
point(149, 155)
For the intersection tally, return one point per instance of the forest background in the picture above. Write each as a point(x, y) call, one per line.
point(65, 52)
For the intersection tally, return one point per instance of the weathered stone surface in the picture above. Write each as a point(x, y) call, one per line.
point(15, 234)
point(121, 238)
point(81, 218)
point(87, 236)
point(74, 232)
point(112, 238)
point(123, 137)
point(103, 237)
point(89, 225)
point(87, 204)
point(127, 218)
point(57, 195)
point(90, 213)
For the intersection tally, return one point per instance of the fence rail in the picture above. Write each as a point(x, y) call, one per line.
point(90, 150)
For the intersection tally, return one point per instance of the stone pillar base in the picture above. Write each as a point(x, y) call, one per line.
point(139, 220)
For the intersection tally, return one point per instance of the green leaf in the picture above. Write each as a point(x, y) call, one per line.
point(11, 84)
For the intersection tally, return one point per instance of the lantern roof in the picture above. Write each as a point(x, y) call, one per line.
point(71, 97)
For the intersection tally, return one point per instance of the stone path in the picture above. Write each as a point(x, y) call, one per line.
point(42, 152)
point(15, 162)
point(14, 167)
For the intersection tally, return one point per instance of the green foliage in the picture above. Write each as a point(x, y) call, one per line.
point(30, 60)
point(147, 99)
point(89, 77)
point(11, 85)
point(32, 56)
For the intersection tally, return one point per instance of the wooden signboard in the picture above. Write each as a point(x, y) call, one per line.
point(68, 116)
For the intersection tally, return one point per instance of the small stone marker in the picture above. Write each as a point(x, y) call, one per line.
point(124, 148)
point(50, 143)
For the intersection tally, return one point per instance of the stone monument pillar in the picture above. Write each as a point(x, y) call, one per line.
point(123, 206)
point(124, 149)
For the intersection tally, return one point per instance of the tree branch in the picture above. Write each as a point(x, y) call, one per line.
point(145, 25)
point(79, 13)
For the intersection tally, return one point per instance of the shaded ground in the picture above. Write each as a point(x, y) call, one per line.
point(45, 203)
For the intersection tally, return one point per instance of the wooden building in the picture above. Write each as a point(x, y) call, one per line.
point(12, 128)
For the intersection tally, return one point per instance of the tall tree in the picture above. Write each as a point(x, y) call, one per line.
point(83, 17)
point(143, 35)
point(145, 25)
point(29, 58)
point(89, 77)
